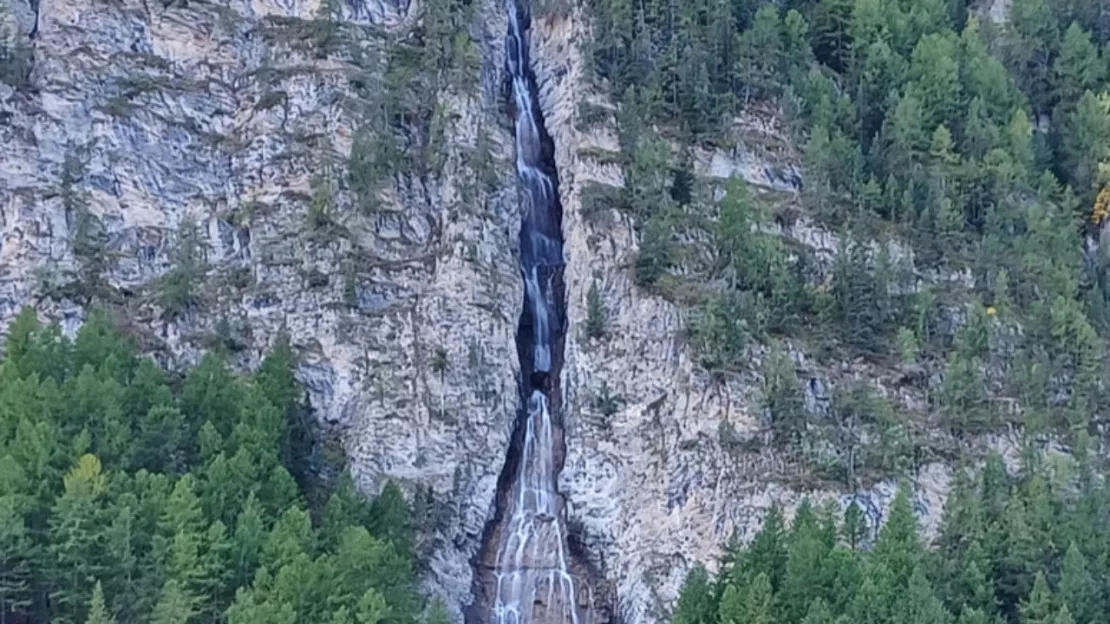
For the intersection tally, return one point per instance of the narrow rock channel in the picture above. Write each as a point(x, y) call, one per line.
point(525, 571)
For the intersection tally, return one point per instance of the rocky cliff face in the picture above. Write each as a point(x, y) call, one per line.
point(138, 118)
point(226, 115)
point(654, 488)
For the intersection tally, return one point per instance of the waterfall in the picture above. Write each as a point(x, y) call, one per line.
point(528, 570)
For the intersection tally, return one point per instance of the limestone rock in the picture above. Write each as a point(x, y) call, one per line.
point(225, 114)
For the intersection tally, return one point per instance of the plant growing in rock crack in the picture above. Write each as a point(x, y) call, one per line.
point(89, 238)
point(607, 402)
point(322, 224)
point(229, 337)
point(439, 366)
point(350, 286)
point(783, 400)
point(176, 289)
point(595, 313)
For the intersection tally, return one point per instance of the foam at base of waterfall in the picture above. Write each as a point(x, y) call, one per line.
point(533, 549)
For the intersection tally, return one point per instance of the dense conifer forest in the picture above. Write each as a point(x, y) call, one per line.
point(962, 164)
point(983, 147)
point(1030, 548)
point(128, 495)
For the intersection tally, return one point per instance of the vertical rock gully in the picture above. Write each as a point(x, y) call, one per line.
point(525, 571)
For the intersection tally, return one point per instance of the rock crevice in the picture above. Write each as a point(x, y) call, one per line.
point(526, 571)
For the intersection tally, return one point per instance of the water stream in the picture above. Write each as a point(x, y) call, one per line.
point(531, 572)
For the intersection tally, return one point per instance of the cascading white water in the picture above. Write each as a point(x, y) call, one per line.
point(532, 571)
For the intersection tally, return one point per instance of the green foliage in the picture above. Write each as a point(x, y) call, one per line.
point(808, 575)
point(177, 289)
point(98, 610)
point(919, 124)
point(607, 402)
point(89, 237)
point(371, 165)
point(654, 256)
point(862, 305)
point(695, 606)
point(125, 500)
point(783, 400)
point(17, 556)
point(323, 224)
point(595, 313)
point(404, 122)
point(719, 333)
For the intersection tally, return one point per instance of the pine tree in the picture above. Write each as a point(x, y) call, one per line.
point(806, 573)
point(1040, 607)
point(875, 599)
point(275, 378)
point(898, 547)
point(920, 605)
point(879, 67)
point(747, 602)
point(845, 569)
point(905, 138)
point(818, 613)
point(247, 542)
point(390, 518)
point(1079, 592)
point(783, 400)
point(861, 299)
point(1063, 616)
point(976, 588)
point(77, 539)
point(1077, 69)
point(291, 536)
point(210, 393)
point(161, 438)
point(695, 603)
point(760, 53)
point(832, 39)
point(98, 344)
point(249, 608)
point(654, 257)
point(372, 608)
point(1012, 550)
point(1035, 24)
point(973, 616)
point(1087, 140)
point(935, 77)
point(175, 605)
point(855, 526)
point(98, 610)
point(126, 583)
point(147, 389)
point(17, 555)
